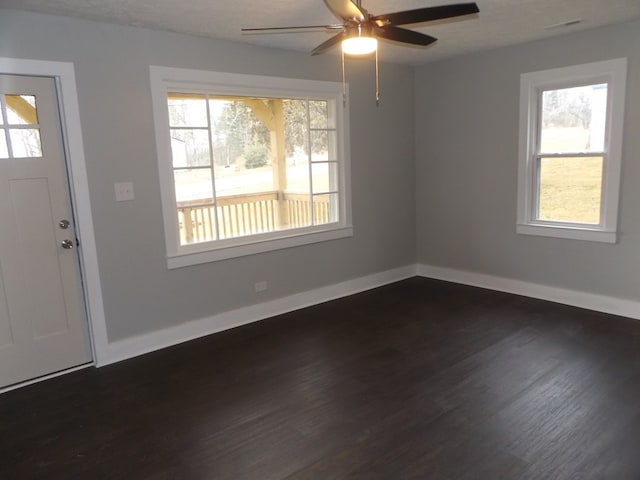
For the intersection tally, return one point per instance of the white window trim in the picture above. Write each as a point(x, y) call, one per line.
point(612, 72)
point(166, 79)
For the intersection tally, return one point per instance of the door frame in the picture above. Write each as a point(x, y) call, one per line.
point(64, 77)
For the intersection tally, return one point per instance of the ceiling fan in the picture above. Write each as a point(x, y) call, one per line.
point(359, 23)
point(360, 29)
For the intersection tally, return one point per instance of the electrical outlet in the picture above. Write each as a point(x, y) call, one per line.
point(124, 191)
point(261, 286)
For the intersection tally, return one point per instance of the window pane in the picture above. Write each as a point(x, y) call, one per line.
point(25, 142)
point(573, 119)
point(242, 181)
point(4, 152)
point(298, 210)
point(195, 205)
point(323, 145)
point(318, 114)
point(193, 186)
point(197, 223)
point(190, 148)
point(187, 110)
point(325, 177)
point(319, 146)
point(240, 138)
point(247, 201)
point(298, 176)
point(325, 208)
point(296, 130)
point(252, 197)
point(570, 189)
point(21, 109)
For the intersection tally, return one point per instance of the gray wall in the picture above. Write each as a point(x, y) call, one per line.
point(112, 74)
point(467, 158)
point(461, 156)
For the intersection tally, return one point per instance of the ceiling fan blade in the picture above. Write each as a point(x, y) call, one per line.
point(345, 9)
point(298, 27)
point(323, 47)
point(427, 14)
point(403, 35)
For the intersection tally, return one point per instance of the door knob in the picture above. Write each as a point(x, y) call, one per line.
point(67, 244)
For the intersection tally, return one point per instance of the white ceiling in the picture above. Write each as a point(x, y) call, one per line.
point(499, 23)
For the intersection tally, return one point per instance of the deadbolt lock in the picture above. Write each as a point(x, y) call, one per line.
point(64, 224)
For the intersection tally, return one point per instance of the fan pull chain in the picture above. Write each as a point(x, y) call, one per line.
point(344, 84)
point(344, 81)
point(377, 81)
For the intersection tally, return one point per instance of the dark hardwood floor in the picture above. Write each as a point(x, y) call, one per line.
point(416, 380)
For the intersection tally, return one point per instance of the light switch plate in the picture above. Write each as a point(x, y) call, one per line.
point(124, 191)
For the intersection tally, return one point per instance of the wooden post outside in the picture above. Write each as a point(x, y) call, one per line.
point(188, 225)
point(279, 160)
point(22, 108)
point(271, 114)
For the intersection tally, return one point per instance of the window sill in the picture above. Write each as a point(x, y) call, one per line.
point(253, 247)
point(571, 233)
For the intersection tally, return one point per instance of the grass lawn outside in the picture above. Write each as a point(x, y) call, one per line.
point(570, 188)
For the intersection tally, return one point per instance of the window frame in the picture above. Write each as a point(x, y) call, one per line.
point(532, 84)
point(168, 79)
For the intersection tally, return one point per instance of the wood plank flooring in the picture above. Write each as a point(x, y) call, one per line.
point(416, 380)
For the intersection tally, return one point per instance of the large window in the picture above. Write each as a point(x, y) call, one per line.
point(248, 164)
point(570, 146)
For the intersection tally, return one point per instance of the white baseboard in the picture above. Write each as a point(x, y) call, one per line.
point(589, 301)
point(139, 345)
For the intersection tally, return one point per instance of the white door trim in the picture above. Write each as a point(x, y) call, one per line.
point(64, 75)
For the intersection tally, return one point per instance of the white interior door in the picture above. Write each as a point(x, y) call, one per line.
point(43, 327)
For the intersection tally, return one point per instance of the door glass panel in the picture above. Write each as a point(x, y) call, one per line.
point(25, 142)
point(21, 109)
point(4, 152)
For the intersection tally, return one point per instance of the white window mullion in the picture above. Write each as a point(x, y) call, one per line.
point(571, 155)
point(535, 188)
point(310, 164)
point(213, 172)
point(3, 106)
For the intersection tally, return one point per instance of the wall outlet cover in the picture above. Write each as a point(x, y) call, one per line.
point(124, 191)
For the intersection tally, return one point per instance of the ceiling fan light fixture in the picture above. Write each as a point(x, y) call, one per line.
point(359, 45)
point(360, 29)
point(359, 41)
